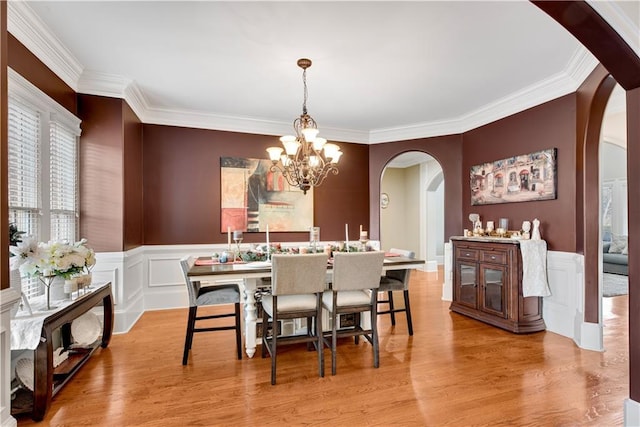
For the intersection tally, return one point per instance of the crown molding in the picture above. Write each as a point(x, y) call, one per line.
point(29, 29)
point(103, 84)
point(200, 120)
point(620, 21)
point(581, 64)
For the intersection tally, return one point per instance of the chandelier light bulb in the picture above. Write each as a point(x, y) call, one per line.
point(318, 143)
point(310, 134)
point(274, 153)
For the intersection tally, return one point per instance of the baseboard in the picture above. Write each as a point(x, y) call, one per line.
point(631, 413)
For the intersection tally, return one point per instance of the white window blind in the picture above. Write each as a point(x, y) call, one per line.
point(43, 167)
point(63, 183)
point(24, 168)
point(24, 177)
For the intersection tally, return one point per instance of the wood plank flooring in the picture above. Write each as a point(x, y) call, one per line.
point(453, 371)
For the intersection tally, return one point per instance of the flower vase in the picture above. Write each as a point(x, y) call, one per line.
point(71, 286)
point(54, 288)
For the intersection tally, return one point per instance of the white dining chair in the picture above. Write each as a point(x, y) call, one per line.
point(356, 278)
point(297, 284)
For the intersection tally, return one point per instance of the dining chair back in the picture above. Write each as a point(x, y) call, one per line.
point(356, 277)
point(297, 284)
point(397, 280)
point(210, 295)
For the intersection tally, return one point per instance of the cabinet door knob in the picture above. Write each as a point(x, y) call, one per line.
point(467, 254)
point(493, 257)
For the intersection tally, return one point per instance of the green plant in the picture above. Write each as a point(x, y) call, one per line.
point(15, 235)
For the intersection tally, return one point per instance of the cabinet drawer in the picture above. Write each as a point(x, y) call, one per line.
point(496, 257)
point(466, 254)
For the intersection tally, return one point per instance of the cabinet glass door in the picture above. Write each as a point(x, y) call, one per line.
point(493, 286)
point(468, 288)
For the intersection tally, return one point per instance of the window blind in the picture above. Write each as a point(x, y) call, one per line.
point(63, 183)
point(24, 168)
point(24, 176)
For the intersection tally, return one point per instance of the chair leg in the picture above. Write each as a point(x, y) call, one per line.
point(274, 340)
point(334, 334)
point(358, 324)
point(274, 345)
point(392, 309)
point(238, 332)
point(265, 324)
point(310, 328)
point(374, 333)
point(320, 341)
point(408, 311)
point(191, 321)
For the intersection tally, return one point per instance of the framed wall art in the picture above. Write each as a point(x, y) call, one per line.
point(523, 178)
point(252, 197)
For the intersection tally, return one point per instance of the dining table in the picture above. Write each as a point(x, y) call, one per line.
point(209, 272)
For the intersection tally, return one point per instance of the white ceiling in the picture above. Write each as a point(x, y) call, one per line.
point(382, 71)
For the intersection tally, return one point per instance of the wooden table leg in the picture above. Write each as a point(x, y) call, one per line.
point(107, 330)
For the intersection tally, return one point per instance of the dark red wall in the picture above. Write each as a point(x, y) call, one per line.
point(32, 69)
point(133, 184)
point(550, 125)
point(447, 150)
point(182, 186)
point(102, 172)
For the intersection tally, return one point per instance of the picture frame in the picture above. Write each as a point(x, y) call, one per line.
point(522, 178)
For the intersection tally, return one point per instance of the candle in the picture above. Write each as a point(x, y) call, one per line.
point(346, 236)
point(268, 251)
point(361, 229)
point(229, 236)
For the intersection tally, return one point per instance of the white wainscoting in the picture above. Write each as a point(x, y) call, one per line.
point(8, 298)
point(149, 278)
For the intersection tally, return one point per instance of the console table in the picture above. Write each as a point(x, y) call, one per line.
point(47, 379)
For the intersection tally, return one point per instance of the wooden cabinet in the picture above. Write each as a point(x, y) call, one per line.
point(49, 380)
point(487, 285)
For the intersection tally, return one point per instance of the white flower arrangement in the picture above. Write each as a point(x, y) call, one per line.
point(54, 258)
point(47, 261)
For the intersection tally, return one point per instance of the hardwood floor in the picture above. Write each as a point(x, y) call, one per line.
point(453, 371)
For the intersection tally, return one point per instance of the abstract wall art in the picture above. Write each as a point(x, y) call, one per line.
point(252, 197)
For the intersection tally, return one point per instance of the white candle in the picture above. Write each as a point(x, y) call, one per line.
point(346, 236)
point(360, 229)
point(268, 251)
point(229, 236)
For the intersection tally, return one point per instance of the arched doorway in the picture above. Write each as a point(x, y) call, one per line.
point(412, 206)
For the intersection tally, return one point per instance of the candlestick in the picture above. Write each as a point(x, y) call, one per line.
point(346, 236)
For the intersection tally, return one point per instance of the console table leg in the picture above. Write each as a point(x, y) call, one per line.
point(107, 330)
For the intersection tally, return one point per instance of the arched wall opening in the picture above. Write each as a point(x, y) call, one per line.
point(412, 206)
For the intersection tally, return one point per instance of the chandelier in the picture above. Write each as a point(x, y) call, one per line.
point(307, 158)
